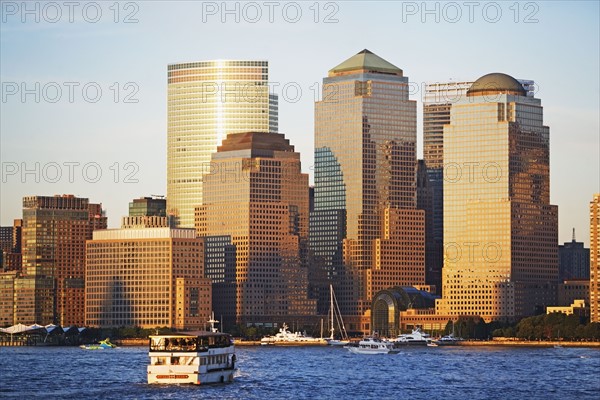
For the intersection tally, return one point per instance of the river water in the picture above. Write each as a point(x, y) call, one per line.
point(465, 373)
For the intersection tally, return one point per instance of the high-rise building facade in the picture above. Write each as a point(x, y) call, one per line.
point(208, 100)
point(147, 277)
point(258, 196)
point(365, 182)
point(573, 260)
point(54, 232)
point(437, 103)
point(500, 231)
point(595, 258)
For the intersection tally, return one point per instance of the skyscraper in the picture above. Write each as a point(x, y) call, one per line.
point(500, 232)
point(206, 101)
point(55, 229)
point(595, 258)
point(437, 103)
point(365, 186)
point(256, 200)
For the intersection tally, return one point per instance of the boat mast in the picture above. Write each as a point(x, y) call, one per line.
point(332, 329)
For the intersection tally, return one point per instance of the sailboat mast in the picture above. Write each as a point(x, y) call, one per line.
point(332, 329)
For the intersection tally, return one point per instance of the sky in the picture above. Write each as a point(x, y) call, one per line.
point(83, 107)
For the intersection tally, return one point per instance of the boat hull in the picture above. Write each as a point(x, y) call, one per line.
point(357, 350)
point(192, 377)
point(333, 342)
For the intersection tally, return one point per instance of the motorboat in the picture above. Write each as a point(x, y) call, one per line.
point(101, 345)
point(416, 338)
point(448, 340)
point(285, 337)
point(373, 345)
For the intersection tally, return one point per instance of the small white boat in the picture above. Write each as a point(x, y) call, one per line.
point(448, 340)
point(371, 345)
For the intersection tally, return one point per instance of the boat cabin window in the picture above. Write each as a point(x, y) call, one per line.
point(160, 360)
point(192, 343)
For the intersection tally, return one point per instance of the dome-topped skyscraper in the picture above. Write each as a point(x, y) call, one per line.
point(496, 83)
point(500, 230)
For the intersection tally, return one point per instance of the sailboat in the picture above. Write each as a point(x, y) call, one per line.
point(332, 341)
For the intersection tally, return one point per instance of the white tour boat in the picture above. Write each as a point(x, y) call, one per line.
point(285, 337)
point(371, 345)
point(416, 338)
point(192, 357)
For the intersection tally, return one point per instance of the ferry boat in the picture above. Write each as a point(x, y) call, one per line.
point(372, 345)
point(416, 338)
point(192, 357)
point(287, 338)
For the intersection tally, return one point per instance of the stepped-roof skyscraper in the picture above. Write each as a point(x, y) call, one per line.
point(365, 231)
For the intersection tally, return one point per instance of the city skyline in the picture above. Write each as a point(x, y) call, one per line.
point(109, 132)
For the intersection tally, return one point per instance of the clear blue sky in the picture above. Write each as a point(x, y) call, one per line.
point(554, 43)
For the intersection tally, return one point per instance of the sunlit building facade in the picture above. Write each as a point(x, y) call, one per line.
point(500, 231)
point(206, 101)
point(258, 196)
point(146, 276)
point(595, 258)
point(437, 103)
point(365, 182)
point(54, 231)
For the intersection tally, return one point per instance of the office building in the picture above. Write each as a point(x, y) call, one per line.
point(55, 229)
point(595, 258)
point(208, 100)
point(257, 195)
point(500, 231)
point(148, 207)
point(573, 260)
point(437, 103)
point(365, 182)
point(146, 276)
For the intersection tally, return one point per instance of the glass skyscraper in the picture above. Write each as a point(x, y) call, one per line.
point(208, 100)
point(365, 186)
point(500, 231)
